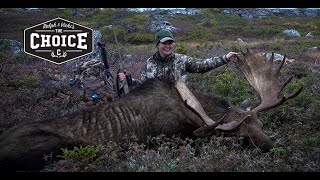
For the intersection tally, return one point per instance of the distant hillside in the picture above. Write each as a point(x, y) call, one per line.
point(190, 24)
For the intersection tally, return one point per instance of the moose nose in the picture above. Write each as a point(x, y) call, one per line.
point(266, 146)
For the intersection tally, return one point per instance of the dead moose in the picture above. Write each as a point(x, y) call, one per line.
point(153, 108)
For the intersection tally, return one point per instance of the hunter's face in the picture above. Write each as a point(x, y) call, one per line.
point(165, 48)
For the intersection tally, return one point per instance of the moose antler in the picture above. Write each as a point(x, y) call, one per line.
point(192, 103)
point(259, 72)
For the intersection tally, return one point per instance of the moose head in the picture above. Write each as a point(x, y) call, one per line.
point(261, 75)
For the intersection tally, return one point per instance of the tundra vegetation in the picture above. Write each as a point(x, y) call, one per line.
point(34, 90)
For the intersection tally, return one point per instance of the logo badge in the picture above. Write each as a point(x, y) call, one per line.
point(58, 40)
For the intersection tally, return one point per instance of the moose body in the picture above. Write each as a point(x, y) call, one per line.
point(153, 108)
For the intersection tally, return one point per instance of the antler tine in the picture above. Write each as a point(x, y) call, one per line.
point(285, 83)
point(280, 102)
point(233, 124)
point(281, 65)
point(294, 94)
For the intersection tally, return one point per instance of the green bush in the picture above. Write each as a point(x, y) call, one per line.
point(231, 20)
point(267, 31)
point(108, 35)
point(181, 48)
point(316, 33)
point(280, 151)
point(297, 47)
point(275, 47)
point(304, 99)
point(209, 23)
point(139, 38)
point(83, 155)
point(307, 80)
point(311, 142)
point(200, 33)
point(196, 54)
point(316, 105)
point(229, 85)
point(31, 81)
point(234, 48)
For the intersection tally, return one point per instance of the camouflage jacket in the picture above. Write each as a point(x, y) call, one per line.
point(176, 66)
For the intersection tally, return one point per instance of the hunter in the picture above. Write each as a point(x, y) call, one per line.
point(166, 64)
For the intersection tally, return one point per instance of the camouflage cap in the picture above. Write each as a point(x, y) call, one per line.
point(163, 35)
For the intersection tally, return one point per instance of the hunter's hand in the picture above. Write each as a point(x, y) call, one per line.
point(231, 56)
point(122, 76)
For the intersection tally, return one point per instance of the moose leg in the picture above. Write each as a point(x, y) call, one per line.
point(192, 102)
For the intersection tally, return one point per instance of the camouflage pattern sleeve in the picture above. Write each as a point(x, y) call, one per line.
point(148, 70)
point(195, 65)
point(143, 73)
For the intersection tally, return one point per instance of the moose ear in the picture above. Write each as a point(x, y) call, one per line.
point(245, 105)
